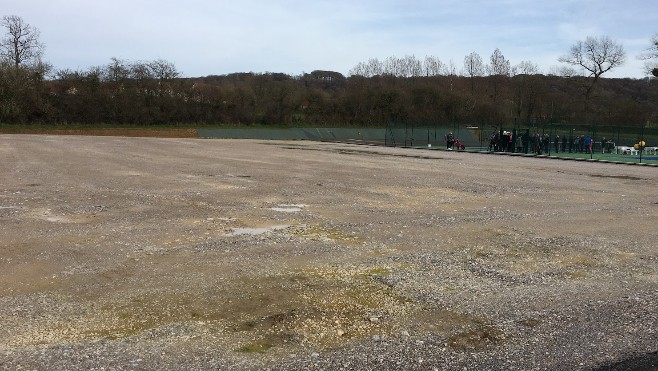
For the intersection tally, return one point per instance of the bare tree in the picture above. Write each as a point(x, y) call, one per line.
point(563, 71)
point(525, 68)
point(374, 67)
point(407, 66)
point(359, 70)
point(651, 56)
point(596, 55)
point(432, 66)
point(163, 70)
point(117, 70)
point(499, 65)
point(20, 44)
point(140, 71)
point(473, 66)
point(499, 69)
point(450, 70)
point(526, 87)
point(393, 66)
point(413, 67)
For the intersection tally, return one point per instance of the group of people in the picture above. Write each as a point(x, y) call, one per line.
point(452, 142)
point(506, 141)
point(583, 144)
point(502, 141)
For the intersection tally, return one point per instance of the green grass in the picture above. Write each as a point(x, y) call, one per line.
point(649, 159)
point(256, 347)
point(613, 157)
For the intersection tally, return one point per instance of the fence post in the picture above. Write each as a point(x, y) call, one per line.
point(641, 148)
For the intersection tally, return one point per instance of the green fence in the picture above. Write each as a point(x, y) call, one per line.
point(610, 143)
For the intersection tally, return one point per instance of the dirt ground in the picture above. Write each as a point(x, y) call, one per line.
point(170, 253)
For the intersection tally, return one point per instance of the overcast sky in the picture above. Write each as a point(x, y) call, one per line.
point(215, 37)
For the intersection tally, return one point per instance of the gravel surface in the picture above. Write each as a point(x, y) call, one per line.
point(153, 253)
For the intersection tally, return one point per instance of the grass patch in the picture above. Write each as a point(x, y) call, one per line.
point(579, 260)
point(379, 271)
point(325, 233)
point(256, 347)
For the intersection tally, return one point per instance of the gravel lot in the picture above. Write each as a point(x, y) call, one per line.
point(153, 253)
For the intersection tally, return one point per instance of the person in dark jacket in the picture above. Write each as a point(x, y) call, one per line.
point(564, 143)
point(450, 141)
point(556, 142)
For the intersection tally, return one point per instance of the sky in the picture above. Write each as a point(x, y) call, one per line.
point(217, 37)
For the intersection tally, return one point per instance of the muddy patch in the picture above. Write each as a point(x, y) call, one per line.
point(625, 177)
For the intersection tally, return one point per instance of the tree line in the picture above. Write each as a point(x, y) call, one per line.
point(374, 93)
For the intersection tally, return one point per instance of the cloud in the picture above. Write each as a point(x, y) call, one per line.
point(216, 37)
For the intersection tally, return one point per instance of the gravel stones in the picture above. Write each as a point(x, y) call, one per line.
point(138, 253)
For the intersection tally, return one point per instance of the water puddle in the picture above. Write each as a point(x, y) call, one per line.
point(284, 208)
point(255, 231)
point(56, 219)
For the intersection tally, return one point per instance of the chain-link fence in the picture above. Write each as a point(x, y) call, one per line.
point(622, 143)
point(610, 143)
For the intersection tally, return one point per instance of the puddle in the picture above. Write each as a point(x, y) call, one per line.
point(255, 231)
point(49, 216)
point(628, 177)
point(56, 219)
point(288, 208)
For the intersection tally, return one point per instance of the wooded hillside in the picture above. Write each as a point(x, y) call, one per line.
point(320, 98)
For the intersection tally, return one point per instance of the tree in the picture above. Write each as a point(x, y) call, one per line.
point(526, 68)
point(163, 70)
point(499, 65)
point(374, 67)
point(596, 55)
point(651, 56)
point(117, 70)
point(22, 92)
point(414, 67)
point(20, 45)
point(473, 66)
point(499, 69)
point(526, 87)
point(432, 66)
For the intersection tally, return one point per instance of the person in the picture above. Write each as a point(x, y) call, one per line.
point(556, 142)
point(588, 144)
point(564, 144)
point(591, 145)
point(604, 144)
point(536, 144)
point(450, 140)
point(494, 141)
point(546, 143)
point(459, 145)
point(504, 141)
